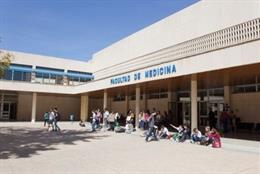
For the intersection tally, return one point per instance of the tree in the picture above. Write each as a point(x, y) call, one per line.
point(5, 61)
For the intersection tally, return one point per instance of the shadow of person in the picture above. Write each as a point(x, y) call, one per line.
point(26, 142)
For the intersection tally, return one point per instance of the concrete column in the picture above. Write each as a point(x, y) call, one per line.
point(34, 101)
point(227, 88)
point(84, 107)
point(145, 99)
point(169, 92)
point(105, 100)
point(227, 95)
point(126, 101)
point(33, 75)
point(194, 103)
point(137, 104)
point(104, 104)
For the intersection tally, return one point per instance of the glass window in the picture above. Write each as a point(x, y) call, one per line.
point(27, 76)
point(38, 77)
point(238, 89)
point(202, 93)
point(84, 79)
point(46, 78)
point(164, 95)
point(73, 80)
point(219, 92)
point(119, 97)
point(153, 95)
point(250, 88)
point(18, 76)
point(132, 97)
point(8, 75)
point(53, 78)
point(59, 79)
point(203, 108)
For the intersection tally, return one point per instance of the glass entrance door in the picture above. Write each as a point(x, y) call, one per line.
point(217, 107)
point(5, 111)
point(184, 112)
point(203, 114)
point(204, 107)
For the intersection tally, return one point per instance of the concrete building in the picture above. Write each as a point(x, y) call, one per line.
point(204, 57)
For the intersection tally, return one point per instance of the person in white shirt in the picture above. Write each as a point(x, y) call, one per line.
point(105, 117)
point(94, 117)
point(51, 119)
point(164, 133)
point(196, 135)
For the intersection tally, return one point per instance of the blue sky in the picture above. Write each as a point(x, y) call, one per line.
point(76, 29)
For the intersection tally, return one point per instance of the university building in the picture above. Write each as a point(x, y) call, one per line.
point(206, 56)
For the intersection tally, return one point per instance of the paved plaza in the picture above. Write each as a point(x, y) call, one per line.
point(27, 148)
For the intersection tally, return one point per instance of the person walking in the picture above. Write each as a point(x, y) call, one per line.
point(51, 119)
point(152, 129)
point(46, 118)
point(56, 119)
point(94, 118)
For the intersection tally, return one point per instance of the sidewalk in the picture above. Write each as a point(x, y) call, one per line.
point(27, 148)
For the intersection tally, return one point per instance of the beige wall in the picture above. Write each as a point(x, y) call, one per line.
point(95, 103)
point(118, 106)
point(24, 107)
point(66, 105)
point(246, 106)
point(159, 104)
point(177, 28)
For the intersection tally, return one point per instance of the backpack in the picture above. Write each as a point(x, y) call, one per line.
point(46, 115)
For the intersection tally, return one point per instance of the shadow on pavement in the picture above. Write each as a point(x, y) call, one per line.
point(26, 142)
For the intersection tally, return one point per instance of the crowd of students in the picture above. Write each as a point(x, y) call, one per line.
point(153, 126)
point(51, 119)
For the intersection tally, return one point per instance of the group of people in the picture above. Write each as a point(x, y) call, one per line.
point(211, 136)
point(228, 120)
point(109, 120)
point(153, 126)
point(51, 119)
point(160, 119)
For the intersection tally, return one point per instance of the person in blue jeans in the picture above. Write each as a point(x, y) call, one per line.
point(94, 121)
point(56, 119)
point(152, 128)
point(196, 136)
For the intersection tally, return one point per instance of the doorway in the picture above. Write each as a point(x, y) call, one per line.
point(8, 107)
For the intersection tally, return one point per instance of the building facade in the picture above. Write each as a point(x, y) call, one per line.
point(204, 57)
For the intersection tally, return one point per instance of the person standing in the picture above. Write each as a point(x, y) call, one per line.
point(98, 118)
point(56, 119)
point(225, 120)
point(46, 118)
point(151, 130)
point(212, 123)
point(111, 121)
point(94, 115)
point(105, 118)
point(233, 121)
point(51, 119)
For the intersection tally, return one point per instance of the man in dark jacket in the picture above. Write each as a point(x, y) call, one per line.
point(212, 123)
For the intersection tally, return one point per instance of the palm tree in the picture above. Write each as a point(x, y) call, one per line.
point(5, 61)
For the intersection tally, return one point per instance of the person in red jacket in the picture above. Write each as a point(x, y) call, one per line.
point(214, 135)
